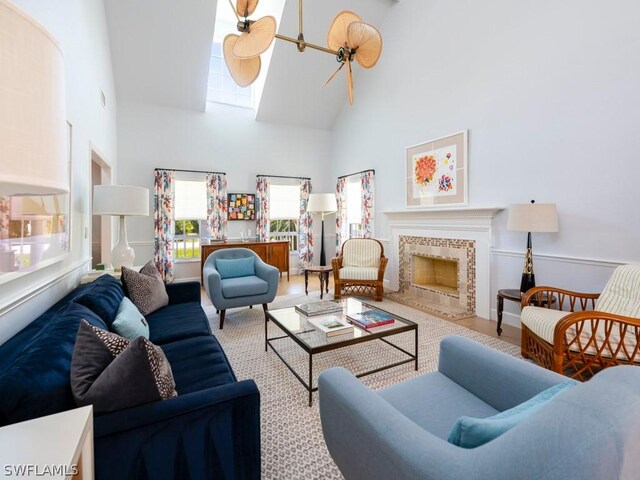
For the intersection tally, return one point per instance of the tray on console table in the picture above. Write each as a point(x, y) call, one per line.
point(274, 253)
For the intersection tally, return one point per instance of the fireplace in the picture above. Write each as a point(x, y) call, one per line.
point(437, 274)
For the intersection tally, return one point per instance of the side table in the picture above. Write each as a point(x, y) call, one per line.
point(515, 295)
point(323, 273)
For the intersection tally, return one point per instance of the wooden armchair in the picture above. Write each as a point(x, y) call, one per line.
point(603, 332)
point(359, 269)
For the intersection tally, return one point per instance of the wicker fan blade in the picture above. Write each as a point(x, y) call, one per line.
point(246, 7)
point(350, 82)
point(337, 36)
point(333, 74)
point(243, 71)
point(257, 40)
point(366, 41)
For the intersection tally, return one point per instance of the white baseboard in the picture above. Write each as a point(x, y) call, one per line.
point(190, 279)
point(508, 318)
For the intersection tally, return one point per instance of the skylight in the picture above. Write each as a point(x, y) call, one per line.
point(221, 87)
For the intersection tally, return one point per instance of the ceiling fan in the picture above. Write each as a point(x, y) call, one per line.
point(349, 39)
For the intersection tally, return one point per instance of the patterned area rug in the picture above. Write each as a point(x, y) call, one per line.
point(292, 443)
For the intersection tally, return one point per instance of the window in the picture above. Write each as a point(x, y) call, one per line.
point(284, 211)
point(190, 217)
point(221, 87)
point(354, 207)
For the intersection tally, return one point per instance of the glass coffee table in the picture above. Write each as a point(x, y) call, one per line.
point(313, 341)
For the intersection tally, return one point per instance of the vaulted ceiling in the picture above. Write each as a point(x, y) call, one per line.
point(161, 51)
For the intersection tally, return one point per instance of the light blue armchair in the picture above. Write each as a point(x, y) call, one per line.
point(229, 286)
point(589, 431)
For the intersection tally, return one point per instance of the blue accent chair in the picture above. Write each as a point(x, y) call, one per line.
point(589, 431)
point(226, 291)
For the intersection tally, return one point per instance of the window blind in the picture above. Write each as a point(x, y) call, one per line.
point(191, 200)
point(354, 202)
point(284, 202)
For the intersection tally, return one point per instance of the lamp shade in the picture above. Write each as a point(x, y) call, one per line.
point(533, 217)
point(322, 203)
point(120, 200)
point(33, 126)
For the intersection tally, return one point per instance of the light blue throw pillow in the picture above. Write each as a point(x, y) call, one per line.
point(469, 432)
point(235, 267)
point(129, 322)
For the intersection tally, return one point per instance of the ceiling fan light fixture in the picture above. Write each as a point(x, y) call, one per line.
point(244, 8)
point(256, 39)
point(243, 71)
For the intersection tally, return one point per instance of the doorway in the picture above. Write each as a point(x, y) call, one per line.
point(100, 224)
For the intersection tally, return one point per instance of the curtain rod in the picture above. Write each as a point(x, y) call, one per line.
point(358, 173)
point(284, 176)
point(189, 171)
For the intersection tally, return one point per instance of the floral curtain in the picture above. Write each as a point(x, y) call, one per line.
point(367, 188)
point(5, 208)
point(217, 205)
point(163, 206)
point(262, 204)
point(342, 227)
point(305, 227)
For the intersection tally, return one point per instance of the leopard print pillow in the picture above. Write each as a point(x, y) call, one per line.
point(145, 288)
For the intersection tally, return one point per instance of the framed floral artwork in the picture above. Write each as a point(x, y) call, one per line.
point(436, 172)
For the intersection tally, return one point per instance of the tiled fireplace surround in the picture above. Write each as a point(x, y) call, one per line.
point(462, 234)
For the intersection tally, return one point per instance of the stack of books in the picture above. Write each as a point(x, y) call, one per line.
point(371, 319)
point(319, 308)
point(331, 325)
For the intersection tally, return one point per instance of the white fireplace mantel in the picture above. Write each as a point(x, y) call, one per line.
point(468, 223)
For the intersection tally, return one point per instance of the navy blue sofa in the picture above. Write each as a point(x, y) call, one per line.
point(211, 430)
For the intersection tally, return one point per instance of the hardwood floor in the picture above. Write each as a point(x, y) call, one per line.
point(296, 285)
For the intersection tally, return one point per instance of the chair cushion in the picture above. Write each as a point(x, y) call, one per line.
point(469, 432)
point(129, 322)
point(243, 287)
point(621, 295)
point(198, 363)
point(434, 402)
point(358, 273)
point(145, 288)
point(542, 321)
point(103, 298)
point(176, 322)
point(235, 267)
point(111, 373)
point(361, 252)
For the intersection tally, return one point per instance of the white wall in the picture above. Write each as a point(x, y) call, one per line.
point(549, 93)
point(80, 28)
point(226, 139)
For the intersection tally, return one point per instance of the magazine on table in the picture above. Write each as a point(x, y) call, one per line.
point(319, 308)
point(371, 319)
point(331, 325)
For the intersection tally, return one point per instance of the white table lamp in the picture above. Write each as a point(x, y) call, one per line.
point(122, 201)
point(531, 217)
point(33, 120)
point(324, 204)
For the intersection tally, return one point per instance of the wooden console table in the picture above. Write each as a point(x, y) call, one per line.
point(274, 253)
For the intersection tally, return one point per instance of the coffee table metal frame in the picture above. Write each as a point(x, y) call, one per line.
point(407, 326)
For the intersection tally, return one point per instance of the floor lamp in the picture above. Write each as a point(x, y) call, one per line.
point(324, 204)
point(121, 201)
point(531, 217)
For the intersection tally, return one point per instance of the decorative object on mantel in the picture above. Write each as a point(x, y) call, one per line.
point(531, 217)
point(349, 39)
point(324, 204)
point(436, 172)
point(121, 201)
point(33, 127)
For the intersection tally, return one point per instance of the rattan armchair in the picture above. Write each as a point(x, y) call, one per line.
point(595, 331)
point(359, 269)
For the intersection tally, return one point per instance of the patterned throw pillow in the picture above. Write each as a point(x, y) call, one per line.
point(145, 288)
point(112, 373)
